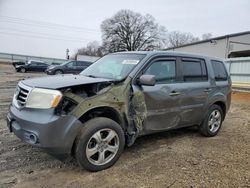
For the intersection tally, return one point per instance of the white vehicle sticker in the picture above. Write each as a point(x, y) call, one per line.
point(130, 62)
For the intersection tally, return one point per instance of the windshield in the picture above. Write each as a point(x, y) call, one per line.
point(113, 66)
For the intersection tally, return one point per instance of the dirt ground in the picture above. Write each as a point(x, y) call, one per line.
point(181, 158)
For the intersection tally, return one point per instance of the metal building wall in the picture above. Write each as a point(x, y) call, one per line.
point(220, 48)
point(239, 69)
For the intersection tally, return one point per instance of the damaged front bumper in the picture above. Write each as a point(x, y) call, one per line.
point(41, 128)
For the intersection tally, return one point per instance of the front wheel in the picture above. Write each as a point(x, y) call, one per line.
point(23, 70)
point(100, 144)
point(58, 72)
point(213, 121)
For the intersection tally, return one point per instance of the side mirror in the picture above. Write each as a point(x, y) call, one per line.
point(148, 80)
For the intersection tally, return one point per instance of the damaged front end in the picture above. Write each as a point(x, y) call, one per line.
point(115, 100)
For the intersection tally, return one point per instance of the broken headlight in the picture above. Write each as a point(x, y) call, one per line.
point(66, 106)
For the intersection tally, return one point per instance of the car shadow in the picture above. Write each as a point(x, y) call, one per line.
point(170, 136)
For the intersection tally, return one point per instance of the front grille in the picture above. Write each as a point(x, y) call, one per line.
point(22, 96)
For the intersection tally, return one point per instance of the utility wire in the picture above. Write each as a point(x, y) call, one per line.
point(41, 37)
point(49, 25)
point(43, 34)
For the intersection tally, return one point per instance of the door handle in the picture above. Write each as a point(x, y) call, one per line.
point(207, 90)
point(174, 93)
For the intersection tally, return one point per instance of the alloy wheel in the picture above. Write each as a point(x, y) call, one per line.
point(214, 121)
point(102, 147)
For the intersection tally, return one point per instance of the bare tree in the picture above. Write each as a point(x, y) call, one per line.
point(92, 49)
point(177, 38)
point(131, 31)
point(206, 36)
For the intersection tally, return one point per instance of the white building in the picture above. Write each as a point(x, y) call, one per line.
point(228, 46)
point(86, 58)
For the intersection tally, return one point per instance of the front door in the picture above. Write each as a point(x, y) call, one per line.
point(71, 67)
point(32, 66)
point(162, 99)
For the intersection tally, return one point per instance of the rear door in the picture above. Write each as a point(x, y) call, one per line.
point(81, 65)
point(194, 90)
point(43, 66)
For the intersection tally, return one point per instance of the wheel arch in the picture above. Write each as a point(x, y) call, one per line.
point(59, 69)
point(102, 111)
point(221, 104)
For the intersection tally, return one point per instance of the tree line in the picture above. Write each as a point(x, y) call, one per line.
point(131, 31)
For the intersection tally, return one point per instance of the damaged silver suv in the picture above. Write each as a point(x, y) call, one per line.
point(122, 96)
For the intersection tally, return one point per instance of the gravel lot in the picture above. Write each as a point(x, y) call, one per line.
point(181, 158)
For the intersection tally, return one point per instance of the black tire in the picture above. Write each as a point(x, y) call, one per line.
point(22, 70)
point(57, 72)
point(85, 137)
point(206, 127)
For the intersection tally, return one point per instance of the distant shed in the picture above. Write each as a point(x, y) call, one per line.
point(86, 58)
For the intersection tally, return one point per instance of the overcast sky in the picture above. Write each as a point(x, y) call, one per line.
point(48, 27)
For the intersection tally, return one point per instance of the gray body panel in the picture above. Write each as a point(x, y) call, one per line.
point(62, 81)
point(54, 133)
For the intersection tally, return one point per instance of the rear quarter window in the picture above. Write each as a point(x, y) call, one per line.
point(219, 69)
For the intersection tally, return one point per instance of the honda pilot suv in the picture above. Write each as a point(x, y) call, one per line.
point(122, 96)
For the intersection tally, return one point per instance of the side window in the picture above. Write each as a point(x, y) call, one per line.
point(33, 63)
point(71, 64)
point(219, 70)
point(164, 71)
point(81, 63)
point(194, 71)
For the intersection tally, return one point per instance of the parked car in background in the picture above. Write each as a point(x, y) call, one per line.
point(32, 65)
point(69, 67)
point(55, 63)
point(15, 63)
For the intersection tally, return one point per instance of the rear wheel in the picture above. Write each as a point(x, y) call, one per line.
point(213, 121)
point(99, 144)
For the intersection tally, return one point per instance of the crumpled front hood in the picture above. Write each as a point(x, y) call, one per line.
point(62, 81)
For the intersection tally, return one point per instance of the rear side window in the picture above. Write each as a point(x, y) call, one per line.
point(194, 70)
point(219, 70)
point(82, 63)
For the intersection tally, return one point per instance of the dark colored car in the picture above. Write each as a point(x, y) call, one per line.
point(122, 96)
point(18, 63)
point(55, 63)
point(35, 66)
point(70, 67)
